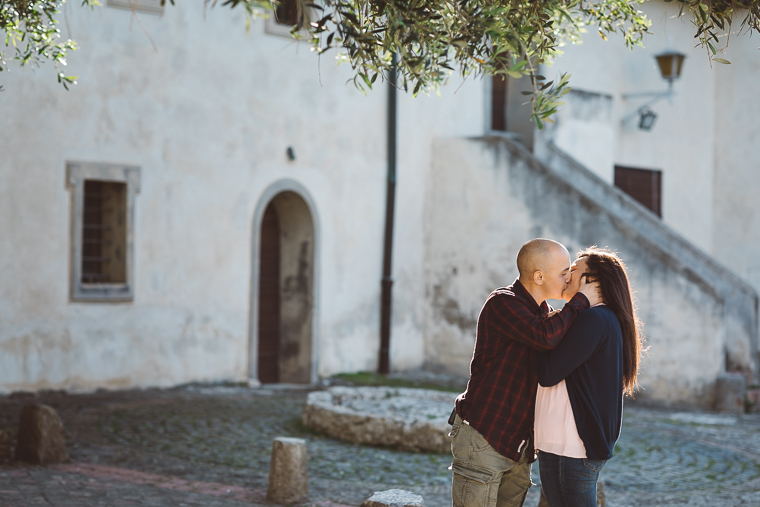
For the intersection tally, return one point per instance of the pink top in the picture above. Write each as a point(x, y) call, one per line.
point(554, 427)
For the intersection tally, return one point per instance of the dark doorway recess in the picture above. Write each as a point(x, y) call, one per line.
point(269, 298)
point(510, 109)
point(499, 103)
point(285, 291)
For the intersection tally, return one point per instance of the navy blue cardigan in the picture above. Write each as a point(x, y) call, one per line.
point(590, 360)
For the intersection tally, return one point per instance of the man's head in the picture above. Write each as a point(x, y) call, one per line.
point(544, 267)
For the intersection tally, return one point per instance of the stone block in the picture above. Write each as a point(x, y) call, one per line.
point(5, 447)
point(412, 419)
point(40, 436)
point(394, 498)
point(729, 393)
point(753, 399)
point(288, 476)
point(601, 497)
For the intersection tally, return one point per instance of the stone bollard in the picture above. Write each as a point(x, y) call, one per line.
point(5, 447)
point(601, 498)
point(288, 477)
point(40, 436)
point(729, 393)
point(393, 498)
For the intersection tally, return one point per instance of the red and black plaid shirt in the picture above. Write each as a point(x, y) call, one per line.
point(513, 330)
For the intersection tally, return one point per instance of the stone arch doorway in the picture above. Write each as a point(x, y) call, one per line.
point(283, 321)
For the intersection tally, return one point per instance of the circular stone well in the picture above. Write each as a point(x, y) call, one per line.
point(413, 419)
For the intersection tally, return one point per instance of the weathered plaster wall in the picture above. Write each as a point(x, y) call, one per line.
point(704, 139)
point(584, 127)
point(682, 142)
point(490, 196)
point(207, 114)
point(736, 216)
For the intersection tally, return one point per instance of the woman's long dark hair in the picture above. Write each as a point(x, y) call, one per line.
point(604, 266)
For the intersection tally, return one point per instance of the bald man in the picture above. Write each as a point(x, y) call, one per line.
point(493, 420)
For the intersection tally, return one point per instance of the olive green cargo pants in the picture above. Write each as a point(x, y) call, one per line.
point(482, 476)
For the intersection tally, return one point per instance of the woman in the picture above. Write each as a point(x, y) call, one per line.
point(579, 405)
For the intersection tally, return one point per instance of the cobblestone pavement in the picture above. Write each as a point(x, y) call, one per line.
point(210, 446)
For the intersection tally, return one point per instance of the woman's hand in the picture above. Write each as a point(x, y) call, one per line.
point(591, 290)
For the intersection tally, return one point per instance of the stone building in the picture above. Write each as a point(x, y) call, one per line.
point(209, 205)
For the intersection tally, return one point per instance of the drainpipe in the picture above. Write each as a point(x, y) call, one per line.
point(390, 199)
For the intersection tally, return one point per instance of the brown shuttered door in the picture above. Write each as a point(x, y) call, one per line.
point(269, 298)
point(644, 185)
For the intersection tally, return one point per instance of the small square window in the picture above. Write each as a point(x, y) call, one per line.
point(286, 15)
point(287, 12)
point(101, 244)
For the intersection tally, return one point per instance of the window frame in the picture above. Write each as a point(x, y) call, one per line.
point(76, 174)
point(128, 5)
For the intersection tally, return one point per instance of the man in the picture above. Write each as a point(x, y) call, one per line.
point(492, 427)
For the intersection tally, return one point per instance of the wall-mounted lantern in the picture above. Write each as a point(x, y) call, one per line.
point(670, 64)
point(647, 118)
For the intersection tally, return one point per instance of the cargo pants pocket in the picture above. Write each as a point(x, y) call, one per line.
point(473, 486)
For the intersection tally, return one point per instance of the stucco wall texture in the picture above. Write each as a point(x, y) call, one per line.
point(489, 196)
point(207, 115)
point(704, 138)
point(207, 112)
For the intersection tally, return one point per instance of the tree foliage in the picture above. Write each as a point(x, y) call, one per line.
point(715, 19)
point(431, 38)
point(31, 30)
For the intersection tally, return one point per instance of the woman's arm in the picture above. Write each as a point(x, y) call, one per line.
point(580, 342)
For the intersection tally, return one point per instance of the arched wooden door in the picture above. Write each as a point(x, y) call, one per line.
point(286, 291)
point(269, 298)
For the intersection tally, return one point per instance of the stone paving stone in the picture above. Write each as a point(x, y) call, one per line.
point(394, 498)
point(221, 436)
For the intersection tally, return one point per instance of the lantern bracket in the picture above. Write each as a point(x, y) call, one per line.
point(670, 64)
point(656, 97)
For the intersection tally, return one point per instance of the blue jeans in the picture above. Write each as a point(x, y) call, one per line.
point(569, 482)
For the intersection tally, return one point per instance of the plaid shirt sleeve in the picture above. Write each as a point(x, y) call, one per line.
point(511, 317)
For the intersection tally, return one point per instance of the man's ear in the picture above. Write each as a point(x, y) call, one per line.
point(538, 277)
